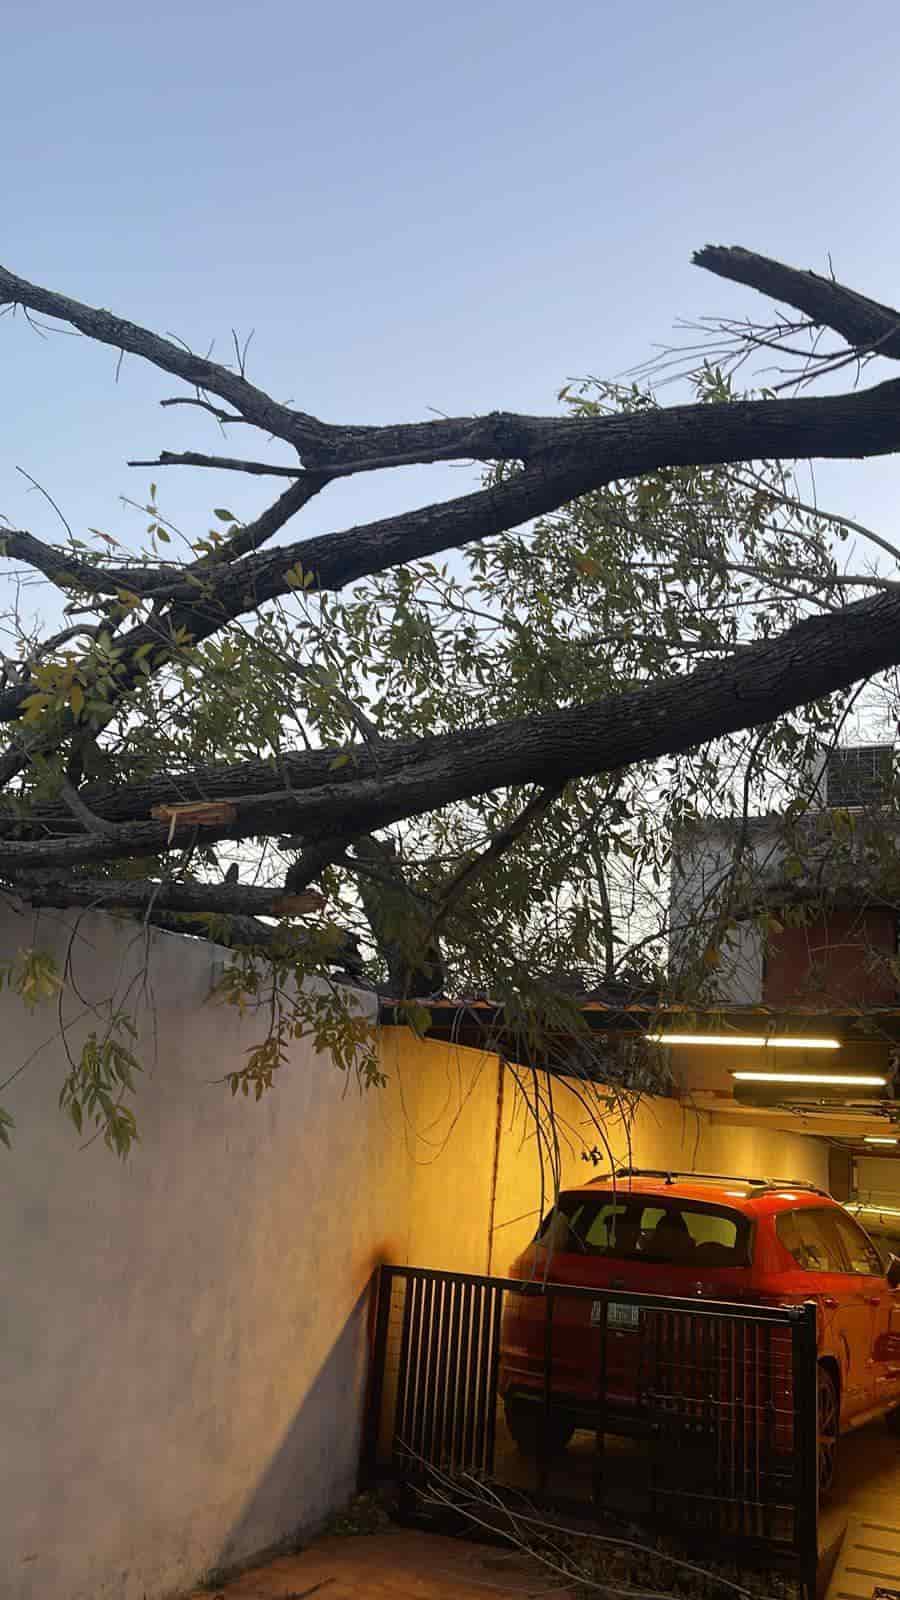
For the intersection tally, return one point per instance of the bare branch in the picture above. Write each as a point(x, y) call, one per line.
point(499, 436)
point(47, 496)
point(865, 324)
point(204, 405)
point(106, 328)
point(191, 458)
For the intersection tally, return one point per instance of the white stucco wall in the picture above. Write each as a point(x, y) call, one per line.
point(182, 1357)
point(183, 1354)
point(701, 864)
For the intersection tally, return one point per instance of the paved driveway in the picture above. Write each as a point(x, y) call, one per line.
point(401, 1565)
point(867, 1481)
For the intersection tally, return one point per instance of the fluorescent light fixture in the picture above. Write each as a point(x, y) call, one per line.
point(876, 1211)
point(878, 1138)
point(746, 1041)
point(831, 1078)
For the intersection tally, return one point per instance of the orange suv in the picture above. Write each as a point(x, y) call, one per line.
point(766, 1242)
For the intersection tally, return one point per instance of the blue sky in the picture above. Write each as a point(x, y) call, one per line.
point(417, 208)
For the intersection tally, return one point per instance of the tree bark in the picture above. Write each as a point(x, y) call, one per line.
point(126, 894)
point(864, 323)
point(762, 681)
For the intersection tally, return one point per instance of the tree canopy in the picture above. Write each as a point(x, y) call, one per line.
point(444, 751)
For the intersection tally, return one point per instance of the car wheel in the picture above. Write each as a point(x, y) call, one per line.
point(829, 1427)
point(893, 1420)
point(525, 1420)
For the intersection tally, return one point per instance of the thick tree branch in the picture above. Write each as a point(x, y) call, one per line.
point(565, 457)
point(241, 930)
point(253, 535)
point(105, 328)
point(400, 917)
point(321, 444)
point(258, 935)
point(499, 436)
point(597, 451)
point(390, 782)
point(126, 894)
point(82, 812)
point(64, 569)
point(865, 324)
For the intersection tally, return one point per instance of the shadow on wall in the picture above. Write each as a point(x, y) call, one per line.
point(315, 1469)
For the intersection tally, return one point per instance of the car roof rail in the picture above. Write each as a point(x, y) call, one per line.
point(776, 1185)
point(670, 1174)
point(761, 1185)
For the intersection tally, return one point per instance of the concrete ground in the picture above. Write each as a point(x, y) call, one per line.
point(867, 1477)
point(398, 1565)
point(867, 1481)
point(403, 1564)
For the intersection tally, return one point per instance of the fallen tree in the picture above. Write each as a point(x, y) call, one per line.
point(638, 614)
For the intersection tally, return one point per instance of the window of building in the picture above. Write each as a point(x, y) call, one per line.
point(859, 775)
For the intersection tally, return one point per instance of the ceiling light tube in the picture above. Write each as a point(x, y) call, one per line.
point(746, 1041)
point(846, 1080)
point(879, 1138)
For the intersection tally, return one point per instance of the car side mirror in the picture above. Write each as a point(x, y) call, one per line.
point(893, 1272)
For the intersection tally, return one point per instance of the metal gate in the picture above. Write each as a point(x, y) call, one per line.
point(686, 1415)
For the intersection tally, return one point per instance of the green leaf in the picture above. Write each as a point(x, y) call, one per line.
point(225, 516)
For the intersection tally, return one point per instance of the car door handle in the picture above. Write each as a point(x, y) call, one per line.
point(873, 1299)
point(830, 1303)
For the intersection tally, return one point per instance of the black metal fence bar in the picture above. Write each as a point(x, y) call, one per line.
point(722, 1399)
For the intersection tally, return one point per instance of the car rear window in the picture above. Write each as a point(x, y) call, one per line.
point(628, 1227)
point(812, 1239)
point(881, 1229)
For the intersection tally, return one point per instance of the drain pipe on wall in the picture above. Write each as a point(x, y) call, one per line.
point(498, 1134)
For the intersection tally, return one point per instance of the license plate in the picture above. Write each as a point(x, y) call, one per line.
point(619, 1315)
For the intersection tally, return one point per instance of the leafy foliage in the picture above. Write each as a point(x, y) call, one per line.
point(633, 583)
point(102, 1076)
point(294, 1003)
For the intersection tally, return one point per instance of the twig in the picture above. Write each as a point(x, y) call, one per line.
point(191, 458)
point(536, 807)
point(47, 496)
point(88, 818)
point(206, 405)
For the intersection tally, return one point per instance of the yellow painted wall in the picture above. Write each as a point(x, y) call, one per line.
point(476, 1193)
point(659, 1133)
point(447, 1100)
